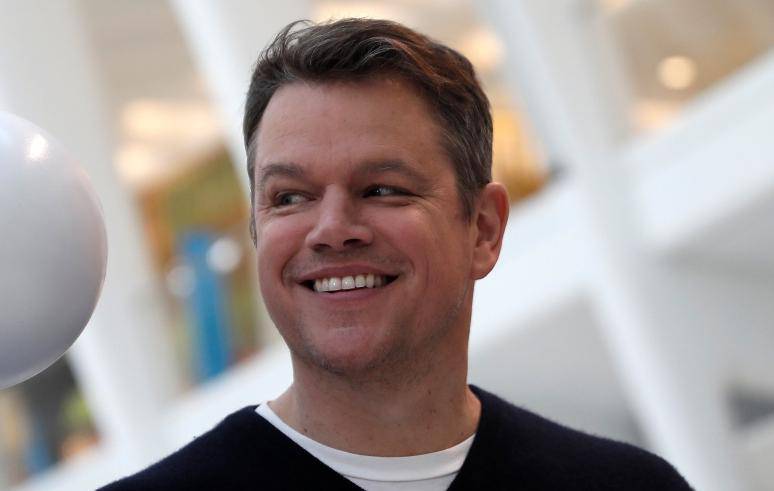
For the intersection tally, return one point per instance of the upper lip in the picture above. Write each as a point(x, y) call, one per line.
point(341, 271)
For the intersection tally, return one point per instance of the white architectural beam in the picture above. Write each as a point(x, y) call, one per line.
point(648, 311)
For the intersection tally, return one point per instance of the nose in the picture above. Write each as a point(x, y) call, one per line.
point(338, 226)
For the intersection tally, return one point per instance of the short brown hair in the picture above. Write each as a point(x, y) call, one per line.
point(352, 49)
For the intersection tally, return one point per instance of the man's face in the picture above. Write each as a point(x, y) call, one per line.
point(353, 188)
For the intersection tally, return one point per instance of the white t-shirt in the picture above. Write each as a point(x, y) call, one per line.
point(428, 472)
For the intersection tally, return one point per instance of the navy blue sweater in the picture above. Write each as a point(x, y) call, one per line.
point(513, 449)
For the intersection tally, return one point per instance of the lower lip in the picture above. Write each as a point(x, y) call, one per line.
point(349, 295)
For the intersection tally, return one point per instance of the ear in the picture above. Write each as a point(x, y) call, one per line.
point(489, 221)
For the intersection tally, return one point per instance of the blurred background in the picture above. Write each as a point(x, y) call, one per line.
point(635, 293)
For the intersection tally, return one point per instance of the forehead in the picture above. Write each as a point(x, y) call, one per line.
point(347, 122)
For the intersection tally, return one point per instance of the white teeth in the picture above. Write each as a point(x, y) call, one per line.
point(335, 283)
point(347, 283)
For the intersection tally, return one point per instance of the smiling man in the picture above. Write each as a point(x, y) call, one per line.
point(374, 214)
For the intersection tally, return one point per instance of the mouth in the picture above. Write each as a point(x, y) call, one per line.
point(333, 284)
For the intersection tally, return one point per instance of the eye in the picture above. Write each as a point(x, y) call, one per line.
point(381, 190)
point(289, 199)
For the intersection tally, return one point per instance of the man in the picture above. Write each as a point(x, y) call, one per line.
point(369, 155)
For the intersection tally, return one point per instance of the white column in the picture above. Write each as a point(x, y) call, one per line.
point(225, 37)
point(48, 75)
point(658, 319)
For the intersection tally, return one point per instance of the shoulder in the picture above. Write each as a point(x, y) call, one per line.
point(215, 458)
point(538, 452)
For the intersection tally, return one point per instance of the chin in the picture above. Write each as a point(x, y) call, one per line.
point(352, 353)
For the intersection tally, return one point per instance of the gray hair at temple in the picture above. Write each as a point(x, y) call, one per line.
point(359, 49)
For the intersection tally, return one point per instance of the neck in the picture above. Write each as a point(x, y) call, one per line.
point(416, 415)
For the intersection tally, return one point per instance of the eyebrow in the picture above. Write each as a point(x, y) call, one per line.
point(293, 170)
point(396, 166)
point(285, 169)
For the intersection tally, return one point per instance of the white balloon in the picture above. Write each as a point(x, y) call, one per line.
point(53, 250)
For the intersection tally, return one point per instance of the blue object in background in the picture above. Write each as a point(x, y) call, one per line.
point(37, 457)
point(207, 307)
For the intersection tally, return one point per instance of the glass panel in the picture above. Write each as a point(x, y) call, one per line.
point(674, 50)
point(42, 421)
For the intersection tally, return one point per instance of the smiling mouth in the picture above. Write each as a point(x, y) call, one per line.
point(334, 284)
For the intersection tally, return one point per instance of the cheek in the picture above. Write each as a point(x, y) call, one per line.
point(277, 240)
point(403, 227)
point(435, 246)
point(419, 227)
